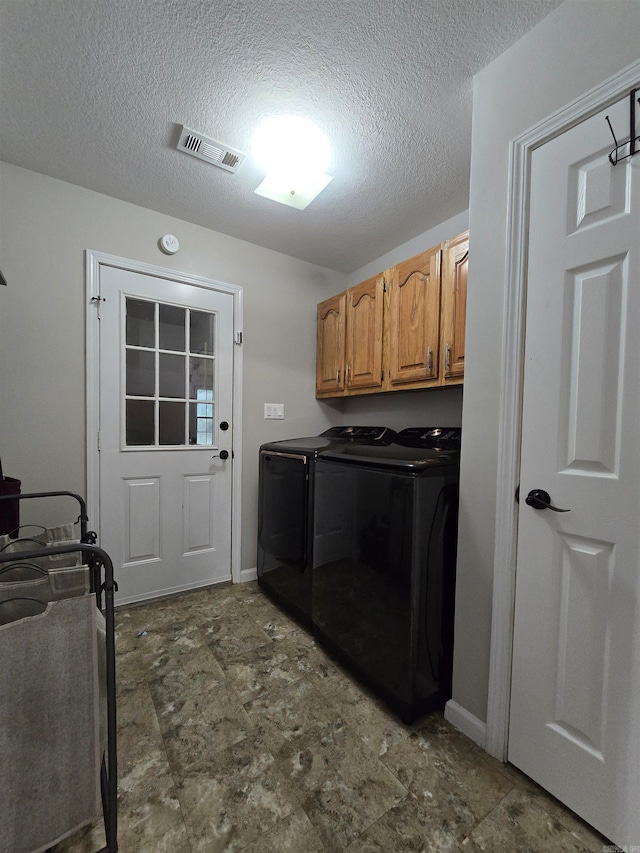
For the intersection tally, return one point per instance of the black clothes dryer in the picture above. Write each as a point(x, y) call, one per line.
point(383, 576)
point(285, 511)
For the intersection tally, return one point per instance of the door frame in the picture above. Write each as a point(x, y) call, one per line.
point(512, 386)
point(93, 262)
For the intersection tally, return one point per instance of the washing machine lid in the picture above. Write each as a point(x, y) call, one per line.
point(413, 450)
point(313, 444)
point(361, 434)
point(438, 438)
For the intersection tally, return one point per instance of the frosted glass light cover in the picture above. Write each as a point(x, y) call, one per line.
point(296, 190)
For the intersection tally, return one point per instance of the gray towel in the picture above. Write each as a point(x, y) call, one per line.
point(49, 734)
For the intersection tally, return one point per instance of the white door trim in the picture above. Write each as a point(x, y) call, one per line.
point(504, 570)
point(93, 262)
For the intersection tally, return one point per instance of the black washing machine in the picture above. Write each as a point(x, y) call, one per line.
point(285, 510)
point(384, 558)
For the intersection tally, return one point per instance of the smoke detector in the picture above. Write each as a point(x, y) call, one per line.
point(216, 153)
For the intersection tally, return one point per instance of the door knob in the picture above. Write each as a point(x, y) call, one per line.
point(224, 454)
point(539, 499)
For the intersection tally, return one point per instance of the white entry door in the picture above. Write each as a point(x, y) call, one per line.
point(166, 383)
point(575, 704)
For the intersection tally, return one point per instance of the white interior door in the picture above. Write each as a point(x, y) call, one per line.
point(166, 385)
point(575, 704)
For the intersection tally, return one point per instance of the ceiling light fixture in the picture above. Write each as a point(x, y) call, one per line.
point(294, 153)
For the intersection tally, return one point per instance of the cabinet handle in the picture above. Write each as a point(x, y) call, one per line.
point(429, 359)
point(447, 356)
point(338, 376)
point(347, 374)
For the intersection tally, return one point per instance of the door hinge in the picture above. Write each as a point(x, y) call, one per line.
point(237, 339)
point(98, 300)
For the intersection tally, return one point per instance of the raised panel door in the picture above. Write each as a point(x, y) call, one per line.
point(414, 320)
point(365, 306)
point(166, 384)
point(330, 351)
point(454, 307)
point(575, 692)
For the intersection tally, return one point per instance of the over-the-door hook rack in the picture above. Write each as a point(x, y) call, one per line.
point(614, 159)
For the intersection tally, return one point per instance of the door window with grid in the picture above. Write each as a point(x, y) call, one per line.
point(169, 382)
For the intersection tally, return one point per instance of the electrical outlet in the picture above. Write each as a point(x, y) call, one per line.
point(274, 411)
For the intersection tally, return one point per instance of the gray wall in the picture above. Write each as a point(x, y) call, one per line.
point(576, 47)
point(447, 229)
point(45, 227)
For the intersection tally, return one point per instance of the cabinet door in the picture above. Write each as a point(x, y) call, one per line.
point(330, 346)
point(414, 320)
point(454, 307)
point(365, 305)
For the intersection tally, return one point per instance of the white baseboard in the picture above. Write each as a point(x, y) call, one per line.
point(469, 725)
point(248, 575)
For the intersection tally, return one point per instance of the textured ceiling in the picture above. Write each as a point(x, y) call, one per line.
point(94, 92)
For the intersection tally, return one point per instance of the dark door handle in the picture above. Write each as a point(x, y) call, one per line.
point(539, 499)
point(224, 454)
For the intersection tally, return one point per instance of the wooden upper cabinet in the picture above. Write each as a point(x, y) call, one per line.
point(454, 307)
point(365, 306)
point(397, 331)
point(330, 346)
point(413, 320)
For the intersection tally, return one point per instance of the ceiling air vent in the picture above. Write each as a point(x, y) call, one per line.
point(194, 143)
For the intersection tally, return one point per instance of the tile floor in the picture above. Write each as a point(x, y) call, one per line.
point(237, 732)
